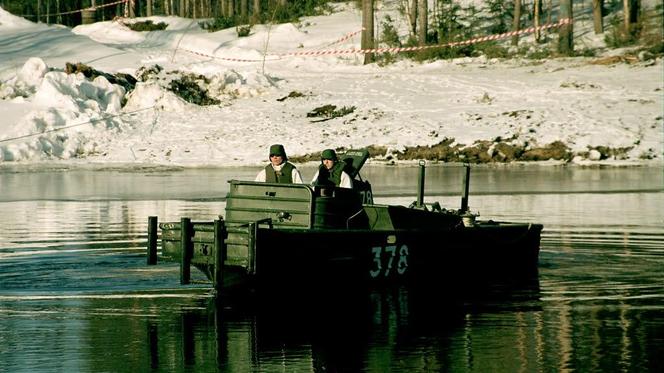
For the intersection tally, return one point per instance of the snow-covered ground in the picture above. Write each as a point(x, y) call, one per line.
point(49, 116)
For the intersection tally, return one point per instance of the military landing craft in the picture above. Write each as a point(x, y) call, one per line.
point(299, 234)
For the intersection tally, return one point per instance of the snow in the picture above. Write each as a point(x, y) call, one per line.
point(49, 116)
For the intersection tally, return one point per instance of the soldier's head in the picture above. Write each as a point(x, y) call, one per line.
point(277, 154)
point(329, 157)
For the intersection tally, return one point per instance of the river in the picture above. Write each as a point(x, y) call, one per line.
point(76, 294)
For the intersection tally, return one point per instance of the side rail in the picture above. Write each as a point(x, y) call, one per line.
point(287, 205)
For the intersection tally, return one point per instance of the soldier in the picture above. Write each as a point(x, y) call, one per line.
point(279, 170)
point(331, 171)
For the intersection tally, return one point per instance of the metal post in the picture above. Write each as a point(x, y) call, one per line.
point(420, 186)
point(466, 187)
point(219, 253)
point(152, 240)
point(253, 229)
point(185, 250)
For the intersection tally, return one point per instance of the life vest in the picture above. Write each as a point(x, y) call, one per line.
point(285, 176)
point(329, 177)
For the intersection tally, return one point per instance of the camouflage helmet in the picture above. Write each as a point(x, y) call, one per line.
point(329, 154)
point(278, 149)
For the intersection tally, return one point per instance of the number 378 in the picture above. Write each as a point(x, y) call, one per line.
point(386, 259)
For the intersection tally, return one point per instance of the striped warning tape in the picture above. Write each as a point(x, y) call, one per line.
point(327, 52)
point(560, 23)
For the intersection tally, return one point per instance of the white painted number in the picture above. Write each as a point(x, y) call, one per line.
point(391, 251)
point(376, 271)
point(402, 265)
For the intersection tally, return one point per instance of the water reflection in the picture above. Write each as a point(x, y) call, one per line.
point(382, 330)
point(75, 294)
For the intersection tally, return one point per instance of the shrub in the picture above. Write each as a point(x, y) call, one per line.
point(146, 25)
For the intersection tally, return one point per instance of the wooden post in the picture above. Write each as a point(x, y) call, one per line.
point(466, 187)
point(152, 240)
point(185, 250)
point(219, 253)
point(420, 186)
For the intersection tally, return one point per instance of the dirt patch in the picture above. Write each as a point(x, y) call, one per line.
point(485, 151)
point(127, 81)
point(192, 88)
point(147, 25)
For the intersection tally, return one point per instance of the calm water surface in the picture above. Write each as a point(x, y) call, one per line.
point(76, 295)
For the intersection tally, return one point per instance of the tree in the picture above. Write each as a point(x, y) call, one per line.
point(631, 9)
point(598, 21)
point(517, 21)
point(537, 7)
point(367, 29)
point(412, 17)
point(422, 15)
point(566, 31)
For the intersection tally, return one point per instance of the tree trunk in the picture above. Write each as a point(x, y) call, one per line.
point(244, 5)
point(566, 31)
point(422, 19)
point(256, 11)
point(181, 8)
point(517, 21)
point(368, 29)
point(148, 8)
point(598, 21)
point(38, 11)
point(537, 6)
point(549, 11)
point(626, 15)
point(231, 8)
point(413, 17)
point(57, 9)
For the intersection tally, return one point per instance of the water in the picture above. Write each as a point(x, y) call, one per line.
point(76, 295)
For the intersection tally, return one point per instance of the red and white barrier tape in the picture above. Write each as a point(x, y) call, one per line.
point(562, 22)
point(344, 38)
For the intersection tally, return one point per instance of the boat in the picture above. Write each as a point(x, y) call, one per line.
point(309, 235)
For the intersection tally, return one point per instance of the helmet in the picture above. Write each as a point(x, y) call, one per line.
point(329, 154)
point(278, 149)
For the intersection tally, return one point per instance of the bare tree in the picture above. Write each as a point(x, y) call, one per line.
point(422, 18)
point(631, 9)
point(256, 11)
point(244, 5)
point(367, 29)
point(537, 6)
point(517, 21)
point(566, 31)
point(598, 22)
point(412, 16)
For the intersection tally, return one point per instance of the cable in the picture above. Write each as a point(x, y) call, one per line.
point(75, 125)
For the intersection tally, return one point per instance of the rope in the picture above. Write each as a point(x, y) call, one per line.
point(76, 125)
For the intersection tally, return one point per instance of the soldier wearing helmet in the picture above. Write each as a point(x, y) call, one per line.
point(331, 171)
point(279, 170)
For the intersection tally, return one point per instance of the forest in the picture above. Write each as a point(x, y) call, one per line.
point(621, 22)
